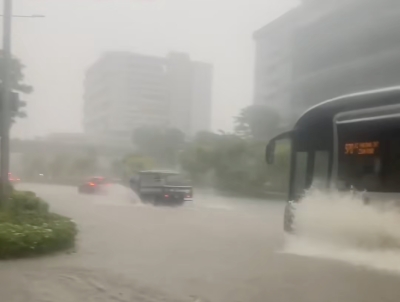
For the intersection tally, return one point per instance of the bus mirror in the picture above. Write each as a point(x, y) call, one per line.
point(270, 152)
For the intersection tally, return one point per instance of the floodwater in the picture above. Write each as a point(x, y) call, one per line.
point(339, 226)
point(215, 249)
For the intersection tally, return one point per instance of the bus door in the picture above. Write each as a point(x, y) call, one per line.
point(311, 162)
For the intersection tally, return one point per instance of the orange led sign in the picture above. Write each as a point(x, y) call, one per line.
point(365, 148)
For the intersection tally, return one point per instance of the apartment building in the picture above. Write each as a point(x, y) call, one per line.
point(124, 91)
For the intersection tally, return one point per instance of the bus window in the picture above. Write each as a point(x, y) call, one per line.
point(279, 170)
point(392, 166)
point(362, 172)
point(300, 174)
point(321, 169)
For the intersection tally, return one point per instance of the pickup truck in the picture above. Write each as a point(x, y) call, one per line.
point(160, 187)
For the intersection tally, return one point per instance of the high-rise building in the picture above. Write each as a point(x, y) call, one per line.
point(342, 47)
point(335, 48)
point(124, 91)
point(274, 63)
point(201, 97)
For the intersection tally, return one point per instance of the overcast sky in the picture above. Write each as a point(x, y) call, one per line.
point(58, 49)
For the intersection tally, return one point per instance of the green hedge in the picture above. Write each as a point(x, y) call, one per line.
point(26, 201)
point(27, 227)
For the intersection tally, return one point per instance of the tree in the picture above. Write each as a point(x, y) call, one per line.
point(198, 161)
point(232, 163)
point(257, 121)
point(33, 165)
point(131, 164)
point(84, 166)
point(206, 138)
point(17, 82)
point(146, 139)
point(162, 144)
point(173, 141)
point(59, 165)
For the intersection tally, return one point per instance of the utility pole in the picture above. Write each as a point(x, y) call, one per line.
point(5, 108)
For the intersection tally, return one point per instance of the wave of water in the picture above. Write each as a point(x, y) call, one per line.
point(339, 226)
point(117, 194)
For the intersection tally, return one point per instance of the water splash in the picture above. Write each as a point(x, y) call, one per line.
point(340, 226)
point(117, 194)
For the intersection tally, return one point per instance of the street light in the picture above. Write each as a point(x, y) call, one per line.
point(6, 96)
point(26, 16)
point(5, 110)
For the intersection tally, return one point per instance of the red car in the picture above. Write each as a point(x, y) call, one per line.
point(94, 185)
point(13, 179)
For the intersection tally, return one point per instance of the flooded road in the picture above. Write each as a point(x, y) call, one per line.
point(217, 249)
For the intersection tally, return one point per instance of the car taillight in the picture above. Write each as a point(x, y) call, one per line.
point(91, 184)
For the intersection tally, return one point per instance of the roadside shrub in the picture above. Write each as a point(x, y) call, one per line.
point(23, 201)
point(27, 228)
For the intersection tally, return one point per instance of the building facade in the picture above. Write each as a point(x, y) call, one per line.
point(274, 63)
point(342, 47)
point(124, 91)
point(336, 47)
point(201, 96)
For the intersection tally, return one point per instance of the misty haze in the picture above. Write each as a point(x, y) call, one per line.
point(200, 151)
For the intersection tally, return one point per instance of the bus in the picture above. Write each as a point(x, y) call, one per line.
point(350, 142)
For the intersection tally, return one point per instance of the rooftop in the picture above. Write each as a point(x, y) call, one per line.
point(278, 24)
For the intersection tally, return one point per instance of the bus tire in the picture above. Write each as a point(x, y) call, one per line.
point(288, 219)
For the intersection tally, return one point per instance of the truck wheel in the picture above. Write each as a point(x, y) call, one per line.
point(180, 202)
point(157, 201)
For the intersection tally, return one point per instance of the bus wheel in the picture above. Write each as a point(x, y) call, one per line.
point(288, 219)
